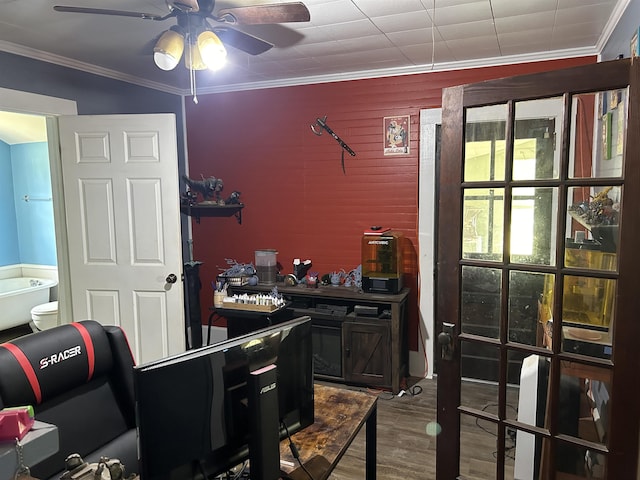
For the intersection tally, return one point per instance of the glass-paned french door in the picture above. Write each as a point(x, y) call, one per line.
point(535, 270)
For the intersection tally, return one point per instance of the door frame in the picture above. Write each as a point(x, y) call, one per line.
point(427, 241)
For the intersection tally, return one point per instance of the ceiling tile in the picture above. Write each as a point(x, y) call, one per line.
point(363, 44)
point(516, 22)
point(377, 8)
point(463, 13)
point(540, 37)
point(484, 28)
point(510, 8)
point(582, 3)
point(402, 21)
point(598, 14)
point(339, 31)
point(414, 37)
point(425, 55)
point(323, 13)
point(474, 46)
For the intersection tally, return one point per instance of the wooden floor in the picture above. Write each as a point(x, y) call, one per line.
point(406, 442)
point(405, 449)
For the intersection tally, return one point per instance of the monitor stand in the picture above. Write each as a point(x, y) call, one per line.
point(264, 429)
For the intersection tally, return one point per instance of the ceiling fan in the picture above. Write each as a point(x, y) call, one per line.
point(205, 43)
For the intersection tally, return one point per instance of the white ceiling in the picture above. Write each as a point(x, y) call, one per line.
point(16, 128)
point(345, 38)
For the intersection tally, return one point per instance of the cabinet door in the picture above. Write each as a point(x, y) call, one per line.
point(367, 353)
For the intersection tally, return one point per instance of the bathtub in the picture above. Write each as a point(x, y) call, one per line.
point(18, 295)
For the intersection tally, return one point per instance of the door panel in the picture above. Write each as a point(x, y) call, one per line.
point(122, 207)
point(536, 273)
point(368, 356)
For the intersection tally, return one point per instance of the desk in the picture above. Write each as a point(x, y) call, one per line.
point(40, 443)
point(339, 416)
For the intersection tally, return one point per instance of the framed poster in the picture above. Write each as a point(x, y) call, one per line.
point(396, 135)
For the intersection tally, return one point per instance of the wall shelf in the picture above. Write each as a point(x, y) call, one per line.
point(213, 210)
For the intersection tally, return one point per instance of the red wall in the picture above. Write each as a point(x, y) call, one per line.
point(297, 199)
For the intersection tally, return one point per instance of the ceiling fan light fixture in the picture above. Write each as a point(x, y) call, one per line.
point(192, 58)
point(168, 50)
point(212, 51)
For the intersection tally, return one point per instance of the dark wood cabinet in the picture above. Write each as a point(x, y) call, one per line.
point(358, 338)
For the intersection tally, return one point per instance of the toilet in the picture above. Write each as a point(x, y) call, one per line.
point(45, 316)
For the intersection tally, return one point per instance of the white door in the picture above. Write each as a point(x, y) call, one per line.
point(120, 180)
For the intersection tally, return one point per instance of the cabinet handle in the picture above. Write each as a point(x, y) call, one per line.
point(347, 352)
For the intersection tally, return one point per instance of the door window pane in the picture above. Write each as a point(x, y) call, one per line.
point(525, 291)
point(478, 448)
point(480, 361)
point(588, 301)
point(592, 227)
point(587, 315)
point(580, 463)
point(480, 308)
point(483, 227)
point(485, 134)
point(532, 374)
point(536, 152)
point(599, 124)
point(584, 402)
point(545, 313)
point(533, 225)
point(527, 454)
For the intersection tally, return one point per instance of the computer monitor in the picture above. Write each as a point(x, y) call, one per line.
point(192, 409)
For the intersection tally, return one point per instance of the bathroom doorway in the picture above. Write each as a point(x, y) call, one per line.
point(31, 218)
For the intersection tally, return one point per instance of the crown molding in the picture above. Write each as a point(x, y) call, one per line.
point(312, 79)
point(411, 70)
point(614, 19)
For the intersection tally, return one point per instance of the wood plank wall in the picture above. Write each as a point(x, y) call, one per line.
point(298, 200)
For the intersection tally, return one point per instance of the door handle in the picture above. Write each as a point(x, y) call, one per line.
point(171, 278)
point(445, 340)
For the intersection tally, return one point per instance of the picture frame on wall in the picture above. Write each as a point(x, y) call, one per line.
point(396, 135)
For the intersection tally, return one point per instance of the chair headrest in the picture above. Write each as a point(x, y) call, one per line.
point(42, 365)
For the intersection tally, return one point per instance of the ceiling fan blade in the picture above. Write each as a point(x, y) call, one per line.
point(120, 13)
point(261, 14)
point(242, 41)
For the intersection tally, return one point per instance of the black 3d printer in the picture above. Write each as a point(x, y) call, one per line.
point(381, 260)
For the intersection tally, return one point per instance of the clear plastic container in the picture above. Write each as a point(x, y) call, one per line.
point(266, 266)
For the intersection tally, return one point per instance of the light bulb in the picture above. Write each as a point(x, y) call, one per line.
point(212, 51)
point(168, 50)
point(192, 58)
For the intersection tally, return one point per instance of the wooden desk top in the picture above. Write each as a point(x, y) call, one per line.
point(339, 415)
